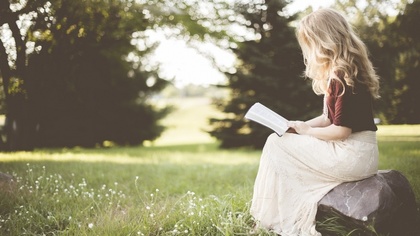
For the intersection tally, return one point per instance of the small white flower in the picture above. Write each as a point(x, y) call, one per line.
point(364, 218)
point(90, 225)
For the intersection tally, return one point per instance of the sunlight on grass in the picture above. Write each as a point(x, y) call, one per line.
point(173, 154)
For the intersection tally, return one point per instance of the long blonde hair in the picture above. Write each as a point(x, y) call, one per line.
point(331, 50)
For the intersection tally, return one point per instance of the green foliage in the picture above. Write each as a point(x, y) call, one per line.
point(268, 71)
point(408, 66)
point(83, 89)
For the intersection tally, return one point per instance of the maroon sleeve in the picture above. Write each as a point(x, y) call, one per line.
point(337, 105)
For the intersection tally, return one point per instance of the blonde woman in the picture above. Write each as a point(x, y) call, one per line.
point(298, 169)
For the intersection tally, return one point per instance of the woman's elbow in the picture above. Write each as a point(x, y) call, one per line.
point(343, 132)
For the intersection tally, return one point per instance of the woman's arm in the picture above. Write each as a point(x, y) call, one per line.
point(319, 121)
point(330, 132)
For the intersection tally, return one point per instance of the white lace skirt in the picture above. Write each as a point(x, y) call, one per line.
point(296, 171)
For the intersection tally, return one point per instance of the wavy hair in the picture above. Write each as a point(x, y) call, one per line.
point(332, 50)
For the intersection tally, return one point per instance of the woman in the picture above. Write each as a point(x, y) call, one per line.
point(297, 170)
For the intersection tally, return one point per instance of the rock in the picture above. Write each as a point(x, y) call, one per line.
point(6, 182)
point(384, 202)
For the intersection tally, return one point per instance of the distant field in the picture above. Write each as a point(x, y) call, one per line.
point(399, 133)
point(189, 122)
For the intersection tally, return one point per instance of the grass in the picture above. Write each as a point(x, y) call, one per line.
point(170, 187)
point(129, 191)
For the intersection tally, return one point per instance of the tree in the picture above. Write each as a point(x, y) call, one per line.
point(73, 76)
point(269, 71)
point(14, 75)
point(87, 84)
point(408, 65)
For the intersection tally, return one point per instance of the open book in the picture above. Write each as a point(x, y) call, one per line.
point(264, 116)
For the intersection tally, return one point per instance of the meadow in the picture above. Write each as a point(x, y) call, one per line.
point(182, 184)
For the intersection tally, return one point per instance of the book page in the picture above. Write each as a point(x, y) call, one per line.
point(264, 116)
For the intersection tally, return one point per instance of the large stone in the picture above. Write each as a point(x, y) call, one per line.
point(384, 202)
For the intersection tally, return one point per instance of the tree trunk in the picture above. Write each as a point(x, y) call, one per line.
point(17, 128)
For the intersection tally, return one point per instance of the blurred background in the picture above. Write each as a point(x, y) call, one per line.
point(101, 73)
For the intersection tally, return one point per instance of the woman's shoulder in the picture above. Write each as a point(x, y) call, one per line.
point(336, 87)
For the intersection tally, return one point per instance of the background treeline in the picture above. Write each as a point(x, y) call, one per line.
point(78, 72)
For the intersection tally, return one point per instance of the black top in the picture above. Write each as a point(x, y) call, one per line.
point(353, 109)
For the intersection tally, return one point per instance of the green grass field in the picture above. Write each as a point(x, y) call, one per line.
point(181, 184)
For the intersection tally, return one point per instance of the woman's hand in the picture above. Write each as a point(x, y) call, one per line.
point(299, 126)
